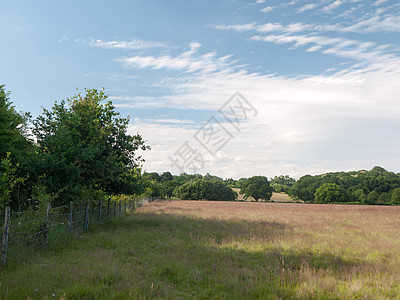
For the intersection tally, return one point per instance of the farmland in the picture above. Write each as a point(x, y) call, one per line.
point(231, 250)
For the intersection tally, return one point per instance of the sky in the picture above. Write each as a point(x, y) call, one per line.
point(231, 88)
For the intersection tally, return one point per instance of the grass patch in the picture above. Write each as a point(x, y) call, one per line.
point(210, 250)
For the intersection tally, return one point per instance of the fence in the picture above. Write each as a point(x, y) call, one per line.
point(29, 232)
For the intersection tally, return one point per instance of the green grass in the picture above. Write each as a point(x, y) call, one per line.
point(162, 254)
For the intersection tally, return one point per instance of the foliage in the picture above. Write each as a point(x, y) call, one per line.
point(203, 189)
point(84, 145)
point(364, 187)
point(282, 183)
point(8, 180)
point(329, 193)
point(257, 187)
point(13, 128)
point(395, 198)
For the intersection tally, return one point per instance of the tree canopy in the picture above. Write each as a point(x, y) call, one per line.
point(376, 186)
point(12, 127)
point(83, 144)
point(257, 187)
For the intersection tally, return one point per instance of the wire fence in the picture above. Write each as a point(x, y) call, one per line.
point(30, 232)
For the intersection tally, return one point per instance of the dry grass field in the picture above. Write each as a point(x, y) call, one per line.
point(337, 251)
point(223, 250)
point(276, 197)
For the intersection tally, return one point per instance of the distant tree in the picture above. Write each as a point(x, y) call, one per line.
point(378, 169)
point(372, 198)
point(383, 198)
point(166, 176)
point(395, 198)
point(304, 189)
point(201, 189)
point(154, 176)
point(257, 187)
point(329, 192)
point(359, 196)
point(282, 183)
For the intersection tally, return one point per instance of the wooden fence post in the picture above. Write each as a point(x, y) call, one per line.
point(125, 206)
point(47, 224)
point(71, 209)
point(115, 208)
point(4, 241)
point(120, 208)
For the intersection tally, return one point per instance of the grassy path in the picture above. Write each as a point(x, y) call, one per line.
point(213, 250)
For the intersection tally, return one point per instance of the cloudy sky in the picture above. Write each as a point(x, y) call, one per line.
point(318, 81)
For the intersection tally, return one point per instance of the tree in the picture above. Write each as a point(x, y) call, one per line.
point(372, 198)
point(201, 189)
point(329, 192)
point(383, 198)
point(166, 176)
point(257, 187)
point(8, 180)
point(83, 144)
point(12, 127)
point(359, 195)
point(395, 198)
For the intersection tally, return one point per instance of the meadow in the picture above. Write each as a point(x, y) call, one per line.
point(223, 250)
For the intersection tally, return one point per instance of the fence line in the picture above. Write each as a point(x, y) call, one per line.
point(25, 233)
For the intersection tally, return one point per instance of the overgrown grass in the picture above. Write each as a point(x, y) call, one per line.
point(209, 250)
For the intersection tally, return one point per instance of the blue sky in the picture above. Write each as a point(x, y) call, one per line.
point(322, 76)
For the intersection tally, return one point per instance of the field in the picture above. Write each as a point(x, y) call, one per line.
point(223, 250)
point(276, 197)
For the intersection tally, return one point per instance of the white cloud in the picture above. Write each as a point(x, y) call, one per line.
point(239, 27)
point(306, 7)
point(335, 4)
point(261, 1)
point(267, 9)
point(379, 2)
point(184, 62)
point(132, 44)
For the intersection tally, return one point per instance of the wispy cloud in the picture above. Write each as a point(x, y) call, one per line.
point(134, 44)
point(239, 27)
point(332, 6)
point(306, 7)
point(267, 9)
point(184, 62)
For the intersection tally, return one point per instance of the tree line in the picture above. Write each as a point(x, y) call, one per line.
point(207, 187)
point(377, 186)
point(75, 150)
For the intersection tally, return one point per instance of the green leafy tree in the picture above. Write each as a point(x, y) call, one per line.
point(329, 192)
point(8, 180)
point(384, 198)
point(395, 198)
point(166, 176)
point(13, 128)
point(83, 144)
point(257, 187)
point(202, 189)
point(359, 195)
point(372, 198)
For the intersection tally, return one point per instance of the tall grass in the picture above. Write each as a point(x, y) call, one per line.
point(209, 250)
